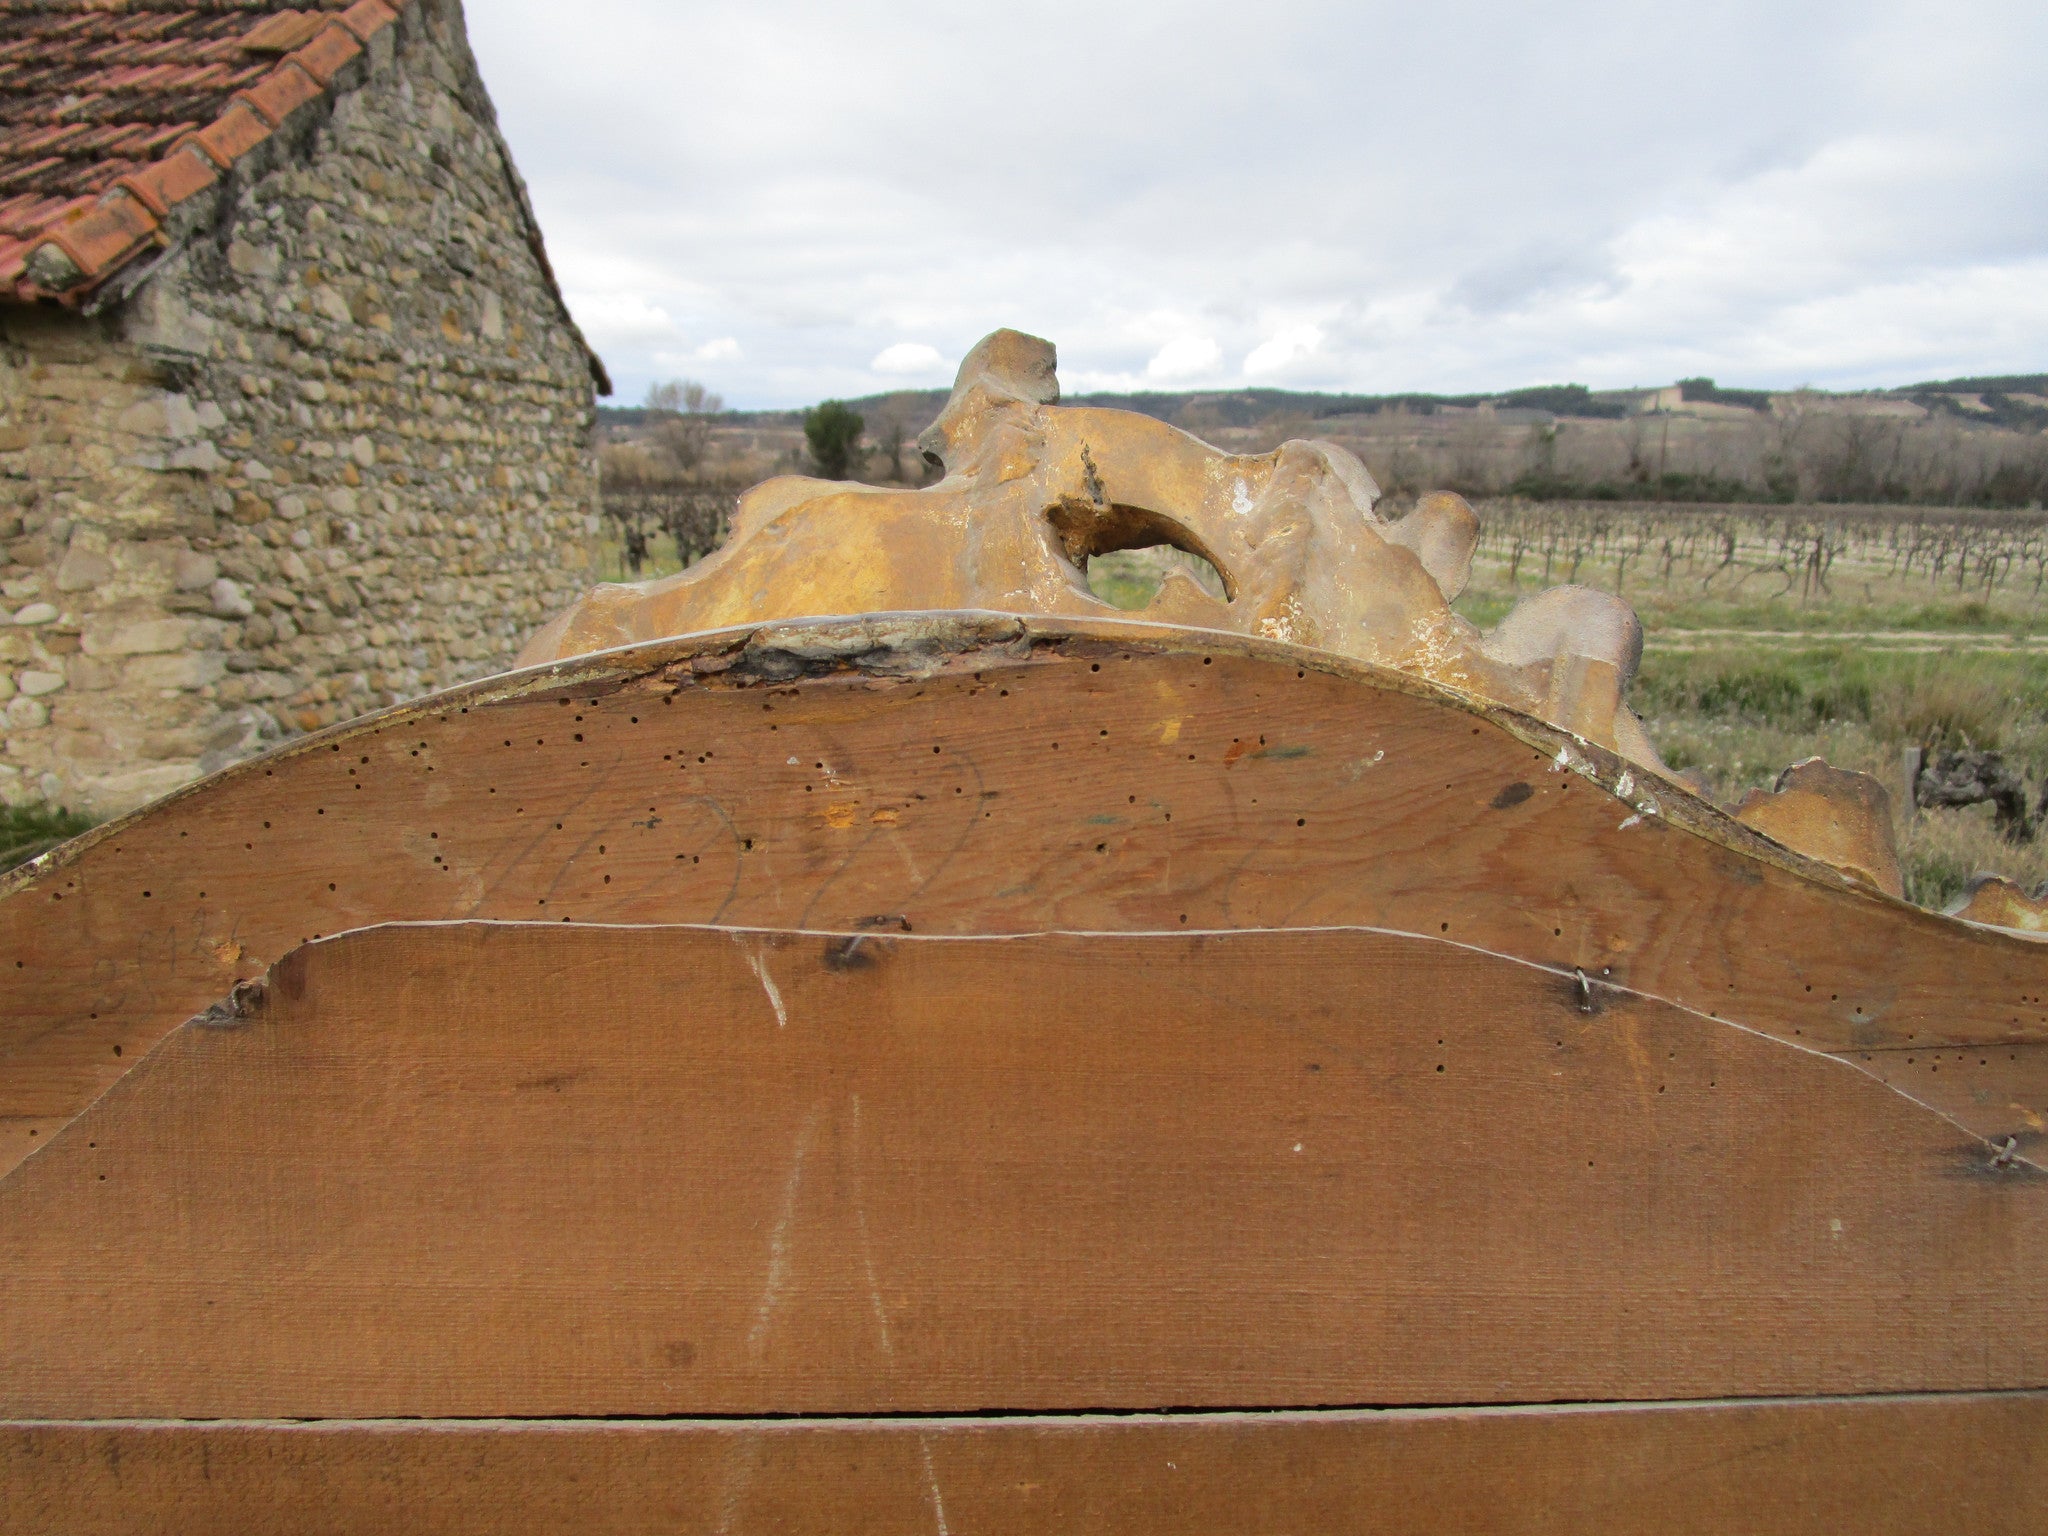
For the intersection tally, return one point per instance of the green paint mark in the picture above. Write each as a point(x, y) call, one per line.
point(1281, 752)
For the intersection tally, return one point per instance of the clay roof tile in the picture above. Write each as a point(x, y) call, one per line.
point(114, 111)
point(281, 92)
point(328, 50)
point(28, 173)
point(367, 17)
point(282, 31)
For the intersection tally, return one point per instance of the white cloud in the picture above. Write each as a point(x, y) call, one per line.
point(909, 357)
point(1283, 350)
point(1185, 357)
point(719, 349)
point(625, 318)
point(1763, 192)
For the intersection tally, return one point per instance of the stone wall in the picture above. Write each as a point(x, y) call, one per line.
point(335, 451)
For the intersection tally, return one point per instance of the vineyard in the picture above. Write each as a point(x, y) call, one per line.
point(655, 526)
point(1817, 561)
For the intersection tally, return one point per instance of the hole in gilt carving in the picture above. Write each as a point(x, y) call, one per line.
point(1126, 552)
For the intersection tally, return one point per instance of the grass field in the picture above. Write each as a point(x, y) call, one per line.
point(28, 830)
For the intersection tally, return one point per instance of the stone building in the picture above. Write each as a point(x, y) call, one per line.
point(293, 420)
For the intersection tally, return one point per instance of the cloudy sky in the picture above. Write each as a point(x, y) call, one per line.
point(790, 200)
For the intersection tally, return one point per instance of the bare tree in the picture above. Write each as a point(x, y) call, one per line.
point(1791, 419)
point(892, 436)
point(684, 408)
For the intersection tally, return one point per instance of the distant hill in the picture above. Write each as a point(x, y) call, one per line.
point(1992, 400)
point(1230, 408)
point(2004, 384)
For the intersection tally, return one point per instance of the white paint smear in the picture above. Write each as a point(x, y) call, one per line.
point(757, 962)
point(778, 1240)
point(867, 1250)
point(931, 1476)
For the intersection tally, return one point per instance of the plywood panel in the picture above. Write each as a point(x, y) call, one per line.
point(1871, 1467)
point(1010, 778)
point(544, 1169)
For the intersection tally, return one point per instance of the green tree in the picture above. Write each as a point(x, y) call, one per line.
point(833, 432)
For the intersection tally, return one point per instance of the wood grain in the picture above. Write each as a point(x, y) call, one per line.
point(1872, 1467)
point(1036, 775)
point(537, 1169)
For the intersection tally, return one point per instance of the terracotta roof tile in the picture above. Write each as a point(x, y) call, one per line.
point(282, 32)
point(104, 234)
point(233, 134)
point(281, 92)
point(114, 111)
point(171, 180)
point(325, 53)
point(366, 17)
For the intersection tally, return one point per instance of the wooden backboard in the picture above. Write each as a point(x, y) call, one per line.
point(977, 1017)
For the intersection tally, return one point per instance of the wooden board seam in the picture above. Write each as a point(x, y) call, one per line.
point(1072, 1419)
point(224, 1013)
